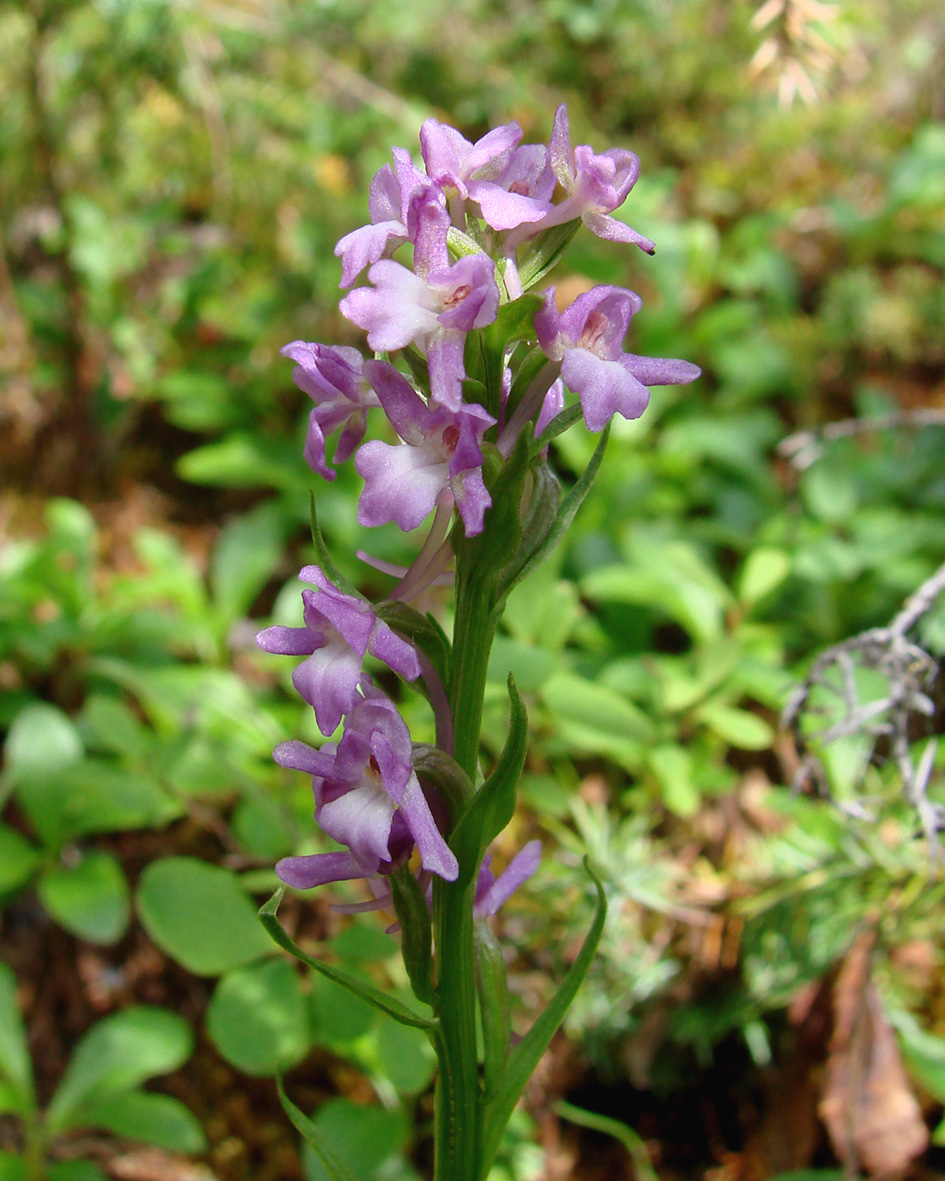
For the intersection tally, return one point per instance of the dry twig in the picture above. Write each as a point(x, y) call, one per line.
point(909, 672)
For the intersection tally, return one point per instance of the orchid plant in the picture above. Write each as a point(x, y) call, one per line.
point(473, 367)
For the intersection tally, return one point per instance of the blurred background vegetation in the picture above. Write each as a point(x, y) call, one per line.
point(173, 178)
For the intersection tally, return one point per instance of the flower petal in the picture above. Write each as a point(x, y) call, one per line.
point(317, 869)
point(604, 387)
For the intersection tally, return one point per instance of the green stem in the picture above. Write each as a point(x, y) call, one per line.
point(458, 1108)
point(473, 633)
point(34, 1147)
point(459, 1100)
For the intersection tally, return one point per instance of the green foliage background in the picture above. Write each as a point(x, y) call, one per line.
point(173, 179)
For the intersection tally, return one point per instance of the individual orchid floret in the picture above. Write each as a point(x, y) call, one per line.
point(595, 183)
point(440, 457)
point(511, 184)
point(332, 378)
point(389, 203)
point(434, 306)
point(587, 339)
point(368, 797)
point(522, 194)
point(339, 631)
point(492, 891)
point(459, 167)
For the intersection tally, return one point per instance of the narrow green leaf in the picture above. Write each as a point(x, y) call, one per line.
point(493, 805)
point(413, 914)
point(360, 988)
point(538, 522)
point(484, 555)
point(328, 567)
point(336, 1169)
point(630, 1139)
point(447, 776)
point(527, 1053)
point(417, 364)
point(515, 321)
point(15, 1066)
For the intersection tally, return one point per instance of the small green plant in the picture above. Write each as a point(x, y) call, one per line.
point(100, 1089)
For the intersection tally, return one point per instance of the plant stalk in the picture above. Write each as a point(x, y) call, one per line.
point(459, 1100)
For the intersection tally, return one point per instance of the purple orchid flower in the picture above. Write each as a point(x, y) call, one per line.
point(595, 183)
point(522, 194)
point(512, 185)
point(368, 797)
point(332, 378)
point(434, 306)
point(339, 631)
point(440, 457)
point(587, 340)
point(393, 191)
point(461, 168)
point(492, 891)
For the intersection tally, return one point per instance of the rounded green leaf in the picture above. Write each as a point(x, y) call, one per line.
point(369, 1140)
point(116, 1055)
point(405, 1056)
point(737, 726)
point(764, 570)
point(75, 1170)
point(363, 943)
point(262, 827)
point(338, 1016)
point(140, 1115)
point(672, 766)
point(41, 742)
point(89, 899)
point(13, 1168)
point(200, 915)
point(258, 1018)
point(18, 860)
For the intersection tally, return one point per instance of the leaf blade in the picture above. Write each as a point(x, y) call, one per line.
point(367, 992)
point(526, 1055)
